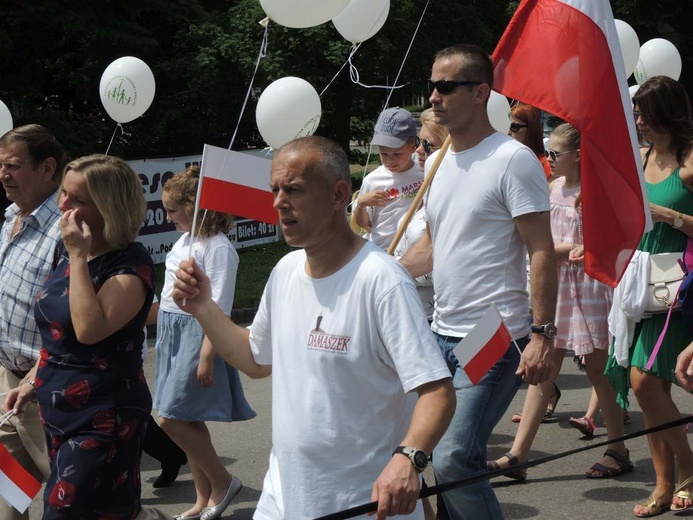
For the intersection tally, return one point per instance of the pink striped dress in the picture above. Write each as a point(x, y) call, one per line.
point(583, 303)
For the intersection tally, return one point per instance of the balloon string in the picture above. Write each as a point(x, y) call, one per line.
point(113, 136)
point(406, 55)
point(263, 50)
point(353, 50)
point(261, 54)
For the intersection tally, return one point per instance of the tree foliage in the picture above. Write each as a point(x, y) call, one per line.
point(203, 54)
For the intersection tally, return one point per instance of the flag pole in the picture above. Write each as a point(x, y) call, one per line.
point(419, 196)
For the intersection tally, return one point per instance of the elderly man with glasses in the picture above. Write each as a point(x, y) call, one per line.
point(488, 204)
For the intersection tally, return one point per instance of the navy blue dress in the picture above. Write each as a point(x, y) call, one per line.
point(94, 400)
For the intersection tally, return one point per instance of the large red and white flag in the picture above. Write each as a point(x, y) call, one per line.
point(563, 56)
point(236, 183)
point(484, 345)
point(17, 486)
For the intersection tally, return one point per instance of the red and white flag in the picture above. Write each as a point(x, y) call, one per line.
point(563, 56)
point(236, 183)
point(17, 486)
point(484, 345)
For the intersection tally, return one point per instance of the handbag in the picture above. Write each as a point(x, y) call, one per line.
point(666, 275)
point(674, 282)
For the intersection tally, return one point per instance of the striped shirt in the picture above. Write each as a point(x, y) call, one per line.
point(26, 259)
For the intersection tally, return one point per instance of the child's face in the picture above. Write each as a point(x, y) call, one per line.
point(566, 157)
point(175, 214)
point(397, 160)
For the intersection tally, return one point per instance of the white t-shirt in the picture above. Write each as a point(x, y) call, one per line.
point(402, 188)
point(216, 256)
point(344, 350)
point(478, 255)
point(424, 284)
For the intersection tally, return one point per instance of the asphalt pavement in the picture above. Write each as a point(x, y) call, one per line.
point(555, 490)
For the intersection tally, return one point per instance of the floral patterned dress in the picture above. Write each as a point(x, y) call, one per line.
point(94, 400)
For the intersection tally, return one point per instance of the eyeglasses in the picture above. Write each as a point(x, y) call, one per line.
point(427, 146)
point(553, 155)
point(637, 114)
point(515, 127)
point(445, 86)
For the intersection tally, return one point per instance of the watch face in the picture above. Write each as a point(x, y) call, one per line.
point(550, 330)
point(678, 222)
point(420, 459)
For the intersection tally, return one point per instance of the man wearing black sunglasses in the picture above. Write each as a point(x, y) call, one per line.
point(487, 206)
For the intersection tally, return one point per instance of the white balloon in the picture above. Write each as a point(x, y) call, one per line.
point(361, 19)
point(302, 13)
point(631, 92)
point(630, 45)
point(498, 110)
point(288, 108)
point(127, 89)
point(658, 57)
point(6, 123)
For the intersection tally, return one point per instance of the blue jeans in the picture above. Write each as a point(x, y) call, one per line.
point(462, 450)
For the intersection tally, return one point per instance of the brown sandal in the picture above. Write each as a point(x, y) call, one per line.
point(624, 466)
point(518, 474)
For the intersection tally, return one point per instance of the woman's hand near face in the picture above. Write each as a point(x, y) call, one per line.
point(76, 234)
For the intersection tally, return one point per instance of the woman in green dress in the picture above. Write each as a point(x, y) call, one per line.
point(663, 119)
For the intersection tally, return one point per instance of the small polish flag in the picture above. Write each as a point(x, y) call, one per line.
point(484, 345)
point(236, 183)
point(17, 486)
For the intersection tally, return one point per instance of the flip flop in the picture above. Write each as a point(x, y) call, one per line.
point(653, 508)
point(584, 425)
point(683, 495)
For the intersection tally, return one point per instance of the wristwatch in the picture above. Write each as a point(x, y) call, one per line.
point(418, 457)
point(678, 221)
point(548, 329)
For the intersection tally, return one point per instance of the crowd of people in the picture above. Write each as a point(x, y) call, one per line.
point(77, 293)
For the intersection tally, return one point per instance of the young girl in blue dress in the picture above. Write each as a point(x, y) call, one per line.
point(193, 383)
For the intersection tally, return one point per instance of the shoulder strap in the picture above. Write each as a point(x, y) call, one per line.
point(647, 156)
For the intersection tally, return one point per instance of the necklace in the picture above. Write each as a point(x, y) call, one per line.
point(665, 162)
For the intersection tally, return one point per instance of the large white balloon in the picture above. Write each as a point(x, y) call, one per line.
point(361, 19)
point(287, 109)
point(499, 112)
point(127, 89)
point(658, 57)
point(630, 45)
point(6, 123)
point(302, 13)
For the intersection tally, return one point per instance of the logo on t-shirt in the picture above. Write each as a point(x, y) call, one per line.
point(318, 339)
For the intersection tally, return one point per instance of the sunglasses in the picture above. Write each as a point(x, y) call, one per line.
point(553, 155)
point(427, 146)
point(445, 86)
point(515, 127)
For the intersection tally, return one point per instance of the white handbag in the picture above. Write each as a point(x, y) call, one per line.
point(666, 275)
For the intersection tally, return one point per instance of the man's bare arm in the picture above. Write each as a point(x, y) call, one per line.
point(397, 488)
point(535, 230)
point(418, 260)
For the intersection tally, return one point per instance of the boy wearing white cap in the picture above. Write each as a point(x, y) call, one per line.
point(387, 192)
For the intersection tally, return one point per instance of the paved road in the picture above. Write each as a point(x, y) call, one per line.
point(555, 490)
